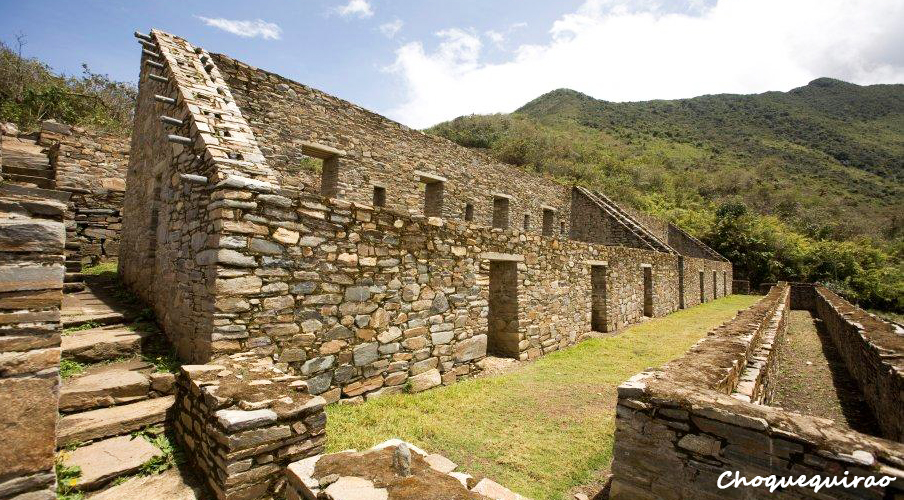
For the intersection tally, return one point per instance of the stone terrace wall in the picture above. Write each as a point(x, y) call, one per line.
point(678, 429)
point(360, 299)
point(284, 113)
point(92, 166)
point(873, 352)
point(242, 422)
point(31, 290)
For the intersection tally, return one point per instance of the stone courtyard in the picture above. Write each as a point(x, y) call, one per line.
point(293, 250)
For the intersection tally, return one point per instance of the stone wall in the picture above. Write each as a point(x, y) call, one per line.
point(31, 290)
point(681, 427)
point(284, 114)
point(362, 299)
point(873, 351)
point(590, 223)
point(358, 300)
point(242, 422)
point(92, 166)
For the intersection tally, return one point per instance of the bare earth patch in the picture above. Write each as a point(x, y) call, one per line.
point(813, 380)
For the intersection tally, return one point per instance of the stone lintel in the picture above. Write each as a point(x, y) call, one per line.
point(646, 265)
point(508, 257)
point(503, 195)
point(428, 178)
point(547, 207)
point(320, 151)
point(601, 263)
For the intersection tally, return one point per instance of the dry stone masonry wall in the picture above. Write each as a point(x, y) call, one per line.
point(680, 428)
point(359, 300)
point(92, 166)
point(31, 290)
point(242, 422)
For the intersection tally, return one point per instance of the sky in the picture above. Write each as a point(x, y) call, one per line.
point(425, 61)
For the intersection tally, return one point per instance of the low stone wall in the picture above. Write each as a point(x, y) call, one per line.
point(92, 166)
point(684, 430)
point(31, 284)
point(242, 422)
point(873, 351)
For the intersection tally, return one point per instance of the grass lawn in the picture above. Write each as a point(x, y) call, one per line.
point(541, 429)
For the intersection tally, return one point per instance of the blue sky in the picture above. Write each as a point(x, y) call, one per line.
point(423, 61)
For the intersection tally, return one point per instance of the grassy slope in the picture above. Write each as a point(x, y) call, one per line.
point(541, 429)
point(828, 149)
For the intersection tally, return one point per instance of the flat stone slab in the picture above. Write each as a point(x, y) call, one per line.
point(106, 460)
point(170, 485)
point(112, 421)
point(100, 344)
point(106, 388)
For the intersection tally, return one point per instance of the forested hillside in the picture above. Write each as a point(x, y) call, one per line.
point(806, 184)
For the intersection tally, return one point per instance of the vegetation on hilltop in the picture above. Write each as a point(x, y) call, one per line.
point(802, 185)
point(30, 92)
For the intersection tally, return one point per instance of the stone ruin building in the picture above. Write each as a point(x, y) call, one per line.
point(298, 250)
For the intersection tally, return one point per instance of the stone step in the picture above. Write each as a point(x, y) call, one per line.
point(73, 287)
point(32, 191)
point(102, 344)
point(41, 182)
point(106, 460)
point(112, 421)
point(174, 484)
point(106, 388)
point(74, 277)
point(104, 318)
point(73, 266)
point(47, 173)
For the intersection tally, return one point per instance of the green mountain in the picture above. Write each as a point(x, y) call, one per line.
point(821, 164)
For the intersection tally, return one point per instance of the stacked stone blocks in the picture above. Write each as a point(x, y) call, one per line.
point(31, 282)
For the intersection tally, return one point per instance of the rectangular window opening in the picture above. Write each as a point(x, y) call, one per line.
point(548, 221)
point(526, 222)
point(501, 212)
point(379, 196)
point(469, 212)
point(329, 178)
point(433, 199)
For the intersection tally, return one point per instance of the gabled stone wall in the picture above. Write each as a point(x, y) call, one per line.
point(284, 114)
point(31, 290)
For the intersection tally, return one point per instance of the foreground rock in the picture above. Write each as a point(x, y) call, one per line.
point(394, 468)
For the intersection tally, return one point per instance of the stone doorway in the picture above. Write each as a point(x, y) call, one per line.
point(502, 320)
point(598, 318)
point(648, 291)
point(702, 290)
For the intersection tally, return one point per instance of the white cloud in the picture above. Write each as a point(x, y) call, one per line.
point(495, 37)
point(359, 8)
point(247, 28)
point(625, 51)
point(391, 29)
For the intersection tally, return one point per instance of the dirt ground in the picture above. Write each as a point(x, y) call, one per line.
point(812, 379)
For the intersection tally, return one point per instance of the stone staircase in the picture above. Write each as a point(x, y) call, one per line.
point(111, 412)
point(25, 162)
